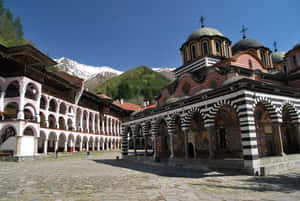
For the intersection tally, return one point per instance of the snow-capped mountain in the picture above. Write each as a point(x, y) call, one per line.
point(84, 71)
point(93, 76)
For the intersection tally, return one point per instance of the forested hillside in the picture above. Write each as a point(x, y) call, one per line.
point(135, 85)
point(11, 29)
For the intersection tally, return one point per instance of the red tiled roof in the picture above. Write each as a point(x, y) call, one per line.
point(103, 96)
point(149, 106)
point(127, 106)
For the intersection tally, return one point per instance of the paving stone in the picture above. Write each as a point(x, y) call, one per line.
point(104, 178)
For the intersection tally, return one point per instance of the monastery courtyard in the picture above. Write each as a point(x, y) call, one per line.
point(74, 177)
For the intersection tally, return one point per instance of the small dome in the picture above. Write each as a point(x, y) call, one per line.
point(246, 44)
point(205, 31)
point(277, 57)
point(296, 46)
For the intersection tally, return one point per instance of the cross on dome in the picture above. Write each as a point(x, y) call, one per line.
point(202, 21)
point(244, 29)
point(275, 46)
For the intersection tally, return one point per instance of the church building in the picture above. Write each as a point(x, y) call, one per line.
point(234, 105)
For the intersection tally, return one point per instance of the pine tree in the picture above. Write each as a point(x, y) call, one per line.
point(2, 10)
point(18, 26)
point(8, 14)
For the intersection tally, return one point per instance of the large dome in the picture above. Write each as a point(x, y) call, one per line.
point(246, 44)
point(277, 57)
point(205, 31)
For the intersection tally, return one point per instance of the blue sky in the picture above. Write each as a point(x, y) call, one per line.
point(127, 33)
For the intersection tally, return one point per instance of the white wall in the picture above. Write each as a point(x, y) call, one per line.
point(27, 146)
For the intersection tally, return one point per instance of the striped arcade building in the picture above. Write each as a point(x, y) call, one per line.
point(230, 106)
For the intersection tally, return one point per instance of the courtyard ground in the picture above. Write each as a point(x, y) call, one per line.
point(73, 177)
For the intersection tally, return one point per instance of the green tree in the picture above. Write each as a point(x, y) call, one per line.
point(8, 14)
point(18, 27)
point(2, 10)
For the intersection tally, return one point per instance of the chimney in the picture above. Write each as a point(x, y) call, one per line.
point(122, 101)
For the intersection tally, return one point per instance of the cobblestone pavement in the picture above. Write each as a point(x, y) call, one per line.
point(104, 178)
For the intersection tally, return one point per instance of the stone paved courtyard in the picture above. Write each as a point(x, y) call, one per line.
point(104, 178)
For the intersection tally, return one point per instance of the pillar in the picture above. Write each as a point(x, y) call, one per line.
point(87, 145)
point(19, 142)
point(211, 134)
point(171, 145)
point(93, 146)
point(80, 146)
point(45, 146)
point(88, 122)
point(35, 150)
point(2, 100)
point(98, 146)
point(103, 128)
point(66, 146)
point(21, 103)
point(134, 145)
point(55, 145)
point(278, 130)
point(145, 143)
point(107, 125)
point(185, 132)
point(154, 147)
point(81, 120)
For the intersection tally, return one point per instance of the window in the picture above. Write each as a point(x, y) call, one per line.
point(193, 51)
point(204, 45)
point(262, 56)
point(268, 60)
point(226, 50)
point(284, 68)
point(250, 63)
point(294, 60)
point(185, 54)
point(218, 47)
point(186, 88)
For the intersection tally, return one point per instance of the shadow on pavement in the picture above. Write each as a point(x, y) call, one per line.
point(164, 170)
point(277, 183)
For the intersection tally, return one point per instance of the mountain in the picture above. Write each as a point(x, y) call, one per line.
point(84, 71)
point(94, 76)
point(135, 85)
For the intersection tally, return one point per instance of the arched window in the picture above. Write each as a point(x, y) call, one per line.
point(226, 50)
point(193, 51)
point(185, 54)
point(262, 56)
point(13, 90)
point(52, 105)
point(250, 63)
point(31, 92)
point(43, 102)
point(218, 47)
point(204, 45)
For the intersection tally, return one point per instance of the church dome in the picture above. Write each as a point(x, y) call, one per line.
point(296, 46)
point(205, 31)
point(278, 57)
point(246, 44)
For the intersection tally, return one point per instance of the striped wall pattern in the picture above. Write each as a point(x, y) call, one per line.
point(244, 103)
point(210, 117)
point(172, 125)
point(124, 135)
point(290, 107)
point(273, 111)
point(188, 117)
